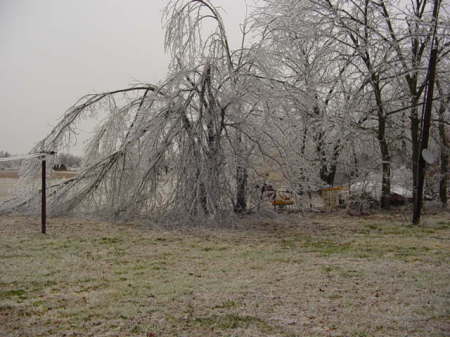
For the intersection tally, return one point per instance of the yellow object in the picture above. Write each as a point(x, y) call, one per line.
point(336, 188)
point(282, 202)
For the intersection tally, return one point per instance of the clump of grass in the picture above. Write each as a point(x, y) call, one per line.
point(360, 334)
point(327, 247)
point(228, 304)
point(109, 240)
point(20, 293)
point(230, 321)
point(442, 225)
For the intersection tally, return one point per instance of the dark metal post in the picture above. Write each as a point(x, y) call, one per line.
point(44, 198)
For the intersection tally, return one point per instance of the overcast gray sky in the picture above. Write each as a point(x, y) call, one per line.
point(55, 51)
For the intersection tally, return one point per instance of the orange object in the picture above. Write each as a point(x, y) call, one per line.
point(336, 188)
point(282, 202)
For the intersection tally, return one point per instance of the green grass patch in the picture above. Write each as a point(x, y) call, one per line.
point(20, 293)
point(327, 247)
point(228, 304)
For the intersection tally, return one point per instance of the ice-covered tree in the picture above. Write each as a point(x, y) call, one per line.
point(173, 149)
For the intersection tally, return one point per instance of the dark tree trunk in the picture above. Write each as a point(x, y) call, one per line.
point(355, 171)
point(241, 194)
point(328, 174)
point(426, 119)
point(328, 170)
point(214, 129)
point(203, 199)
point(328, 167)
point(386, 173)
point(418, 202)
point(384, 148)
point(415, 142)
point(241, 179)
point(443, 188)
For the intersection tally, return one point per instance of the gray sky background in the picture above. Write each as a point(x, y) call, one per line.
point(54, 51)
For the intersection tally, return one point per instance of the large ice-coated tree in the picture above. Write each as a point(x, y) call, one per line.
point(178, 148)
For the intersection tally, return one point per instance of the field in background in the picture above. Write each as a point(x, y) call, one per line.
point(323, 275)
point(54, 175)
point(8, 179)
point(6, 187)
point(9, 174)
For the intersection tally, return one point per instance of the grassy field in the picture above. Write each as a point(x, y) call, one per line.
point(9, 178)
point(6, 187)
point(14, 174)
point(323, 275)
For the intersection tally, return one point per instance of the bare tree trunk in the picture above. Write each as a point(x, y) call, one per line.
point(386, 167)
point(241, 178)
point(203, 200)
point(328, 166)
point(425, 132)
point(443, 188)
point(384, 148)
point(214, 129)
point(241, 194)
point(415, 140)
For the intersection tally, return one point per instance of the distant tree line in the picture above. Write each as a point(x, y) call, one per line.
point(63, 161)
point(5, 165)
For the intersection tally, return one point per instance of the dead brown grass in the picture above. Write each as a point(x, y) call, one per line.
point(8, 174)
point(327, 275)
